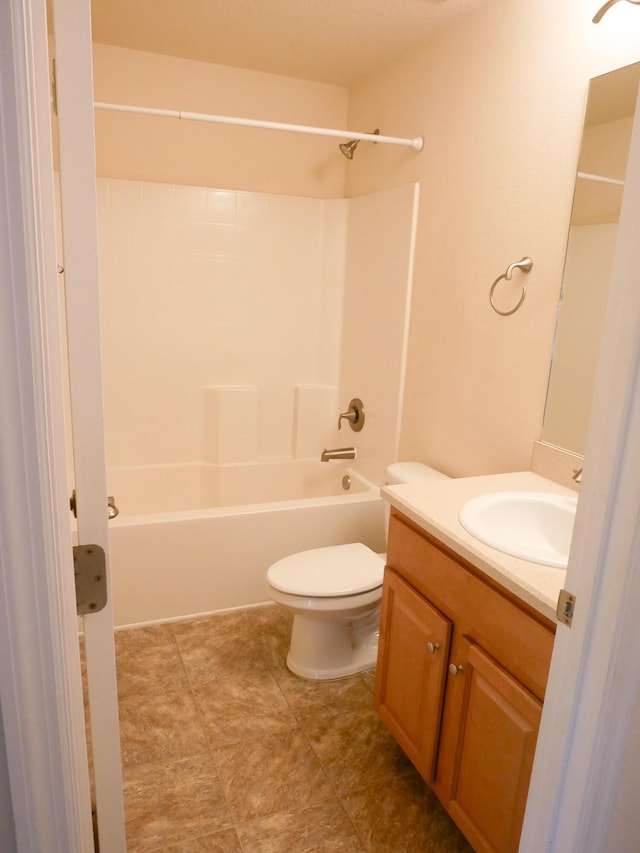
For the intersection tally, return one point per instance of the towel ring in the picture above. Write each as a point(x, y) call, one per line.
point(525, 265)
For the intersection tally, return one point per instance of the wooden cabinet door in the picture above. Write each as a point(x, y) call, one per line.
point(412, 665)
point(490, 730)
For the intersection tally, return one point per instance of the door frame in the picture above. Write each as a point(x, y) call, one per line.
point(79, 231)
point(40, 676)
point(40, 692)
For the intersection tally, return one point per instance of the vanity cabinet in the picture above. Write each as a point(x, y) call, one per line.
point(462, 669)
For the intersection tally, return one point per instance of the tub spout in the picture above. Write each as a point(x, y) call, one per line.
point(338, 453)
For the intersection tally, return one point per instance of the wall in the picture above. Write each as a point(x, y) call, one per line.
point(500, 99)
point(194, 153)
point(215, 307)
point(231, 319)
point(377, 296)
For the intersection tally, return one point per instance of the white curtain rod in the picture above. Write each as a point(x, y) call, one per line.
point(600, 179)
point(417, 143)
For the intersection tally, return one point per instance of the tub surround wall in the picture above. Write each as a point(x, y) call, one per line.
point(232, 334)
point(230, 430)
point(152, 489)
point(314, 418)
point(377, 297)
point(216, 305)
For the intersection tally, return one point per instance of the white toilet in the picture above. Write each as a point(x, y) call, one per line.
point(334, 594)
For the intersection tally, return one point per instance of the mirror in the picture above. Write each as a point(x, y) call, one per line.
point(592, 234)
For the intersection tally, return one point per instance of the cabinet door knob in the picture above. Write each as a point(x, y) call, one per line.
point(432, 648)
point(454, 670)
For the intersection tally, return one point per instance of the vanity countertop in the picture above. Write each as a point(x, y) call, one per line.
point(435, 506)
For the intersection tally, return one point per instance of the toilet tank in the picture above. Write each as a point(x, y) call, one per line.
point(408, 472)
point(412, 472)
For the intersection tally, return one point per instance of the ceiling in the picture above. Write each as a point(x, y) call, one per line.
point(328, 41)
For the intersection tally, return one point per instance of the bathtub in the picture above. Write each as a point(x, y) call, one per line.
point(169, 562)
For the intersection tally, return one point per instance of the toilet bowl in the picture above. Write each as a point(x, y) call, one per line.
point(334, 594)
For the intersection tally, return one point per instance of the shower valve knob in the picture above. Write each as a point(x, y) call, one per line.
point(354, 414)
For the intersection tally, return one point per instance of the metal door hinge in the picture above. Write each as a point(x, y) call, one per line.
point(566, 607)
point(89, 567)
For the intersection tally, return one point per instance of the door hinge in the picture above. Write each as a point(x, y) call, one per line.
point(89, 567)
point(566, 607)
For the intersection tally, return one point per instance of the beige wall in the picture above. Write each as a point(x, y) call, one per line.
point(500, 101)
point(182, 152)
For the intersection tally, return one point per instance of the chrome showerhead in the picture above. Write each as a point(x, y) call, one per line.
point(348, 148)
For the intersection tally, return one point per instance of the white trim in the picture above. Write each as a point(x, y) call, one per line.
point(600, 179)
point(594, 683)
point(404, 356)
point(76, 154)
point(40, 682)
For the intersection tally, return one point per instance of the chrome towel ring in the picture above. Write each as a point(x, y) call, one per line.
point(525, 265)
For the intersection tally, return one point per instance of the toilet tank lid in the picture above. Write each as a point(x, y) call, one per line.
point(412, 472)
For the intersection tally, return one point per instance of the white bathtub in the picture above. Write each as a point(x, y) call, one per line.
point(171, 564)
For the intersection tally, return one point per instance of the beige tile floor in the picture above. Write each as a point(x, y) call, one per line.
point(225, 750)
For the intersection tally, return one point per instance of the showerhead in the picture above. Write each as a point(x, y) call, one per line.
point(348, 148)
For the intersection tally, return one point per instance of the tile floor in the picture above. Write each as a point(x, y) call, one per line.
point(225, 750)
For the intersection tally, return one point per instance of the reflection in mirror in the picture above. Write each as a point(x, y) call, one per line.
point(592, 235)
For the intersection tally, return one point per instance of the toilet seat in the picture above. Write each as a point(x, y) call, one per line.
point(328, 572)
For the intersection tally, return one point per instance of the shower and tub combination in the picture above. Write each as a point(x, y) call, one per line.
point(218, 403)
point(178, 563)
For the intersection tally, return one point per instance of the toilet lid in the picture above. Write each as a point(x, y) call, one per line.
point(326, 572)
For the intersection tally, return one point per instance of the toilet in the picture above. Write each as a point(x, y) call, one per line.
point(334, 594)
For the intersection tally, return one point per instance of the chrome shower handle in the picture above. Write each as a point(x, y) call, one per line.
point(354, 414)
point(350, 416)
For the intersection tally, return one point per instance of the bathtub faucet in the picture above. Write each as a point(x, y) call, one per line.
point(338, 453)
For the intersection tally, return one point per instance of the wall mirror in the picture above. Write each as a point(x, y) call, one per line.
point(592, 234)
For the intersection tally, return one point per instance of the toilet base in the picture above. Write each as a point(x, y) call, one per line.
point(323, 650)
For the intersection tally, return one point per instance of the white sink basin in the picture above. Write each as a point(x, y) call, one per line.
point(532, 525)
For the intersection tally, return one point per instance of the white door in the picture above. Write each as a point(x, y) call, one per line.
point(74, 95)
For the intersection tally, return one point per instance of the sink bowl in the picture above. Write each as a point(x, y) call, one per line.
point(535, 526)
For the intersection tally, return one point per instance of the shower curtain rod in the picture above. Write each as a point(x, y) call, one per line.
point(417, 143)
